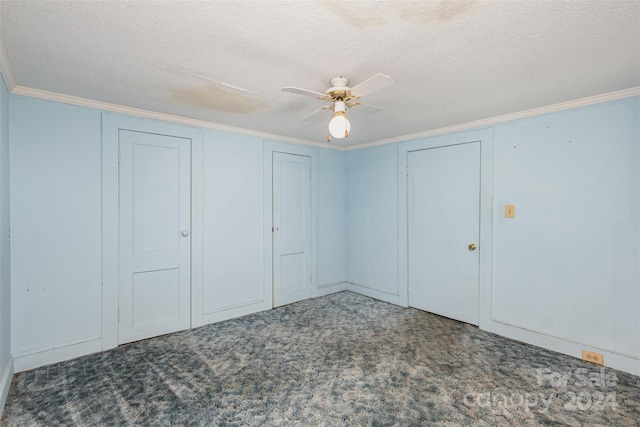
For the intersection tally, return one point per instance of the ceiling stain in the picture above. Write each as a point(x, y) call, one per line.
point(219, 97)
point(442, 11)
point(359, 15)
point(179, 71)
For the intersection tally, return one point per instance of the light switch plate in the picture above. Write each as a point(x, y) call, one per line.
point(509, 211)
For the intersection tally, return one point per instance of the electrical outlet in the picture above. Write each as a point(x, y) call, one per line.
point(592, 357)
point(509, 211)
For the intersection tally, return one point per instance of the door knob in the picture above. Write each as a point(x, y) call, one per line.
point(472, 247)
point(185, 233)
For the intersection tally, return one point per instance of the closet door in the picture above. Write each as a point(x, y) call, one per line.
point(444, 230)
point(154, 235)
point(291, 228)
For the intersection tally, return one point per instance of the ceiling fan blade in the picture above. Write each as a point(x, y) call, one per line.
point(367, 108)
point(304, 92)
point(310, 116)
point(373, 84)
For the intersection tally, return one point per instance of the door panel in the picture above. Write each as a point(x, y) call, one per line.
point(292, 272)
point(291, 228)
point(293, 192)
point(154, 235)
point(164, 285)
point(444, 203)
point(156, 207)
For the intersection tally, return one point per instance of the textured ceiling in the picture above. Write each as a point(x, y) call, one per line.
point(225, 62)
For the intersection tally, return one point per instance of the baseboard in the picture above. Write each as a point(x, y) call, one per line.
point(331, 288)
point(5, 383)
point(611, 359)
point(231, 313)
point(58, 353)
point(373, 293)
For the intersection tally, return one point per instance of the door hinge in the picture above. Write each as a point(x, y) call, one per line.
point(118, 315)
point(406, 170)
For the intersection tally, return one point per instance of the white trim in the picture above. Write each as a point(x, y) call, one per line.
point(5, 69)
point(570, 348)
point(54, 346)
point(486, 229)
point(58, 353)
point(485, 247)
point(331, 284)
point(138, 112)
point(331, 288)
point(268, 149)
point(477, 124)
point(267, 218)
point(254, 302)
point(5, 383)
point(109, 233)
point(111, 125)
point(198, 317)
point(584, 344)
point(373, 293)
point(232, 312)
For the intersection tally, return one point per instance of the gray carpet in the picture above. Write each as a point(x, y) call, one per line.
point(340, 360)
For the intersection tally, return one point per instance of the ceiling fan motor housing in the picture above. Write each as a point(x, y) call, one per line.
point(339, 81)
point(339, 90)
point(340, 95)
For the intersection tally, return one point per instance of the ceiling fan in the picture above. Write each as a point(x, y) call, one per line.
point(342, 97)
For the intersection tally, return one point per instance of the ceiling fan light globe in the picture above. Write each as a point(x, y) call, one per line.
point(339, 126)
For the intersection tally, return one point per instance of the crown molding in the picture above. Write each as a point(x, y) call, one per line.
point(5, 69)
point(476, 124)
point(105, 106)
point(138, 112)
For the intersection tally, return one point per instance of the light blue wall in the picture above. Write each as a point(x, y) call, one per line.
point(5, 291)
point(233, 220)
point(332, 256)
point(567, 265)
point(56, 210)
point(372, 183)
point(56, 230)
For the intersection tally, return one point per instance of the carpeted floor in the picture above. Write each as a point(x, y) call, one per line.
point(338, 360)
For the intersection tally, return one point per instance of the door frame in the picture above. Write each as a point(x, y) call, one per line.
point(268, 149)
point(485, 138)
point(111, 125)
point(281, 246)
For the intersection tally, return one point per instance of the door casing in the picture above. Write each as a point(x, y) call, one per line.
point(291, 229)
point(269, 148)
point(485, 138)
point(443, 208)
point(111, 125)
point(154, 235)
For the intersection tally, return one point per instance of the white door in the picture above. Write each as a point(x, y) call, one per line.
point(444, 230)
point(154, 235)
point(291, 228)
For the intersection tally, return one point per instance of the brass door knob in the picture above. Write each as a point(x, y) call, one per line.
point(472, 247)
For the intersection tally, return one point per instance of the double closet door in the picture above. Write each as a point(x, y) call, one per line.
point(154, 233)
